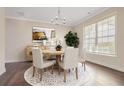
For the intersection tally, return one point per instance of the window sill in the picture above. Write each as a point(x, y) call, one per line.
point(102, 54)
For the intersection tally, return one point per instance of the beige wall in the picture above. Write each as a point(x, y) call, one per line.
point(109, 61)
point(2, 41)
point(19, 35)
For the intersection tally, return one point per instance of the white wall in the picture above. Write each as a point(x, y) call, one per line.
point(2, 41)
point(19, 35)
point(112, 62)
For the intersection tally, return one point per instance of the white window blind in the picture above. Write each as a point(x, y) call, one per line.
point(100, 37)
point(89, 37)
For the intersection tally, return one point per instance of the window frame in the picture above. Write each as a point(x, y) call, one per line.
point(96, 40)
point(89, 38)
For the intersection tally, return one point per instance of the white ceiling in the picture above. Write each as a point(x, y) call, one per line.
point(73, 15)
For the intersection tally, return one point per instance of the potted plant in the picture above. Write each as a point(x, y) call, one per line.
point(72, 39)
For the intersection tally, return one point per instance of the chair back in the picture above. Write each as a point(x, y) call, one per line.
point(37, 57)
point(71, 57)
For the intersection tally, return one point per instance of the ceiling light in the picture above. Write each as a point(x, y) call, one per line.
point(58, 20)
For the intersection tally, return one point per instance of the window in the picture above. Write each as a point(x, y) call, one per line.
point(100, 37)
point(89, 36)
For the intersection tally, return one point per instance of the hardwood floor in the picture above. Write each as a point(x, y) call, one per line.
point(14, 75)
point(102, 75)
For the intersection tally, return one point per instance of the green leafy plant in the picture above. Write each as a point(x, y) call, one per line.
point(58, 47)
point(72, 39)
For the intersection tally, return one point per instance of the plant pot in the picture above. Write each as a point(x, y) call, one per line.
point(58, 49)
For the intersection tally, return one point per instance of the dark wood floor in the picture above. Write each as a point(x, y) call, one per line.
point(14, 76)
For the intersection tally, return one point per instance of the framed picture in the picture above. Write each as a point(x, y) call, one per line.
point(39, 34)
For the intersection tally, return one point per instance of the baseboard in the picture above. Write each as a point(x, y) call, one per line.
point(2, 71)
point(108, 66)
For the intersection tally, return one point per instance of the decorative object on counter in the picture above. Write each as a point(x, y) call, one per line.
point(58, 47)
point(72, 39)
point(53, 34)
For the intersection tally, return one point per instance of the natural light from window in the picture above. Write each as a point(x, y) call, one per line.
point(100, 37)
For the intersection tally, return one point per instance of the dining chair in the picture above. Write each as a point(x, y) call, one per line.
point(38, 61)
point(70, 61)
point(83, 62)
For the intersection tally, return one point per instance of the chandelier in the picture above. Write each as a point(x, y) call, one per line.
point(58, 20)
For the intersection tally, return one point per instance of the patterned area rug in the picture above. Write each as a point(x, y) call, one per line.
point(54, 79)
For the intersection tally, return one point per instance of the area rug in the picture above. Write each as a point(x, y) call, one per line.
point(54, 79)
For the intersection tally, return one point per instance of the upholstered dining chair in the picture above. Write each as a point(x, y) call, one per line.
point(38, 61)
point(70, 61)
point(83, 62)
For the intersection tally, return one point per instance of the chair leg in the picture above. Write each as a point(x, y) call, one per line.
point(72, 68)
point(69, 70)
point(33, 71)
point(64, 75)
point(84, 66)
point(41, 72)
point(45, 69)
point(76, 70)
point(59, 70)
point(52, 69)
